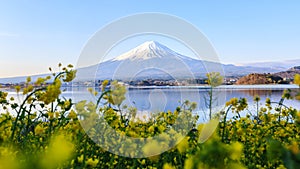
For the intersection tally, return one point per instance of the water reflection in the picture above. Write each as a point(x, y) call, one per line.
point(164, 99)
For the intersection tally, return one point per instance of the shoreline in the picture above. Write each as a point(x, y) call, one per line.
point(221, 87)
point(257, 86)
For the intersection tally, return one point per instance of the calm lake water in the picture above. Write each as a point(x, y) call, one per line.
point(153, 99)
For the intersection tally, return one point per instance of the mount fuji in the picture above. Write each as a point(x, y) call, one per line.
point(153, 60)
point(150, 50)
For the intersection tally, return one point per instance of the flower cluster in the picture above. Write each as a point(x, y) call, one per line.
point(48, 131)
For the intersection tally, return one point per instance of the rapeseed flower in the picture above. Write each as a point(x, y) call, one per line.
point(297, 79)
point(168, 166)
point(60, 150)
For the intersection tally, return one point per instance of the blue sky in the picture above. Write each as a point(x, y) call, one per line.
point(37, 34)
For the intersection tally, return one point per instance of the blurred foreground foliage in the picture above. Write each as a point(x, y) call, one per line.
point(46, 130)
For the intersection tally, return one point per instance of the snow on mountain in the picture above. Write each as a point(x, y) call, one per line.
point(150, 59)
point(154, 60)
point(149, 50)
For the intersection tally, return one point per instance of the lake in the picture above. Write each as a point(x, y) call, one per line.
point(153, 99)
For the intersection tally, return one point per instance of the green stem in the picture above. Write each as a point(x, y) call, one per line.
point(24, 102)
point(210, 101)
point(101, 96)
point(257, 109)
point(21, 109)
point(28, 118)
point(224, 122)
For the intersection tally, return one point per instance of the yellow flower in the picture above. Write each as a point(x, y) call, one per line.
point(104, 84)
point(8, 159)
point(39, 81)
point(50, 115)
point(80, 159)
point(56, 114)
point(236, 150)
point(92, 163)
point(70, 75)
point(268, 102)
point(39, 129)
point(52, 92)
point(214, 79)
point(281, 167)
point(60, 150)
point(294, 147)
point(18, 88)
point(168, 166)
point(28, 79)
point(234, 101)
point(183, 145)
point(161, 128)
point(143, 162)
point(67, 104)
point(297, 79)
point(151, 148)
point(200, 127)
point(208, 130)
point(91, 90)
point(72, 115)
point(189, 163)
point(117, 93)
point(151, 129)
point(28, 89)
point(256, 98)
point(236, 166)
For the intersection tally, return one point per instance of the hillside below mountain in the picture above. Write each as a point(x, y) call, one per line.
point(281, 65)
point(256, 78)
point(290, 73)
point(283, 77)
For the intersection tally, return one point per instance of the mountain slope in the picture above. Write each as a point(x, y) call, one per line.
point(154, 60)
point(149, 50)
point(280, 66)
point(255, 78)
point(290, 73)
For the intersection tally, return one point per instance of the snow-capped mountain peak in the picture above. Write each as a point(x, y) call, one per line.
point(147, 50)
point(152, 60)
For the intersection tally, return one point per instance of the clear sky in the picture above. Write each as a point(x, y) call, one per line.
point(37, 34)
